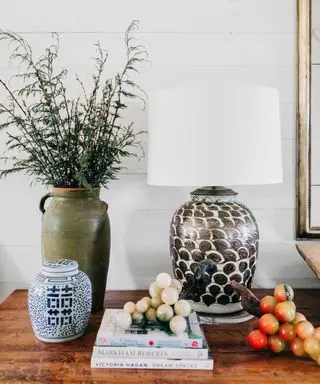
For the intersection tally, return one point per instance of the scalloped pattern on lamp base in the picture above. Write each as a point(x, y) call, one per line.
point(224, 231)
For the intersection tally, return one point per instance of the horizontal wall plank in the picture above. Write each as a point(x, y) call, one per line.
point(19, 203)
point(173, 16)
point(129, 194)
point(275, 225)
point(20, 221)
point(278, 262)
point(175, 49)
point(19, 263)
point(283, 79)
point(168, 76)
point(237, 49)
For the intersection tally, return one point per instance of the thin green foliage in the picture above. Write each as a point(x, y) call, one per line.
point(69, 142)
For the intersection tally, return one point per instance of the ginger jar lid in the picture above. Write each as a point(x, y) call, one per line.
point(59, 266)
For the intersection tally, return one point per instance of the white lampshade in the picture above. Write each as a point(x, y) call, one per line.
point(225, 135)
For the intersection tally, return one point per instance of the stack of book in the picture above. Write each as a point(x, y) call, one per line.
point(152, 346)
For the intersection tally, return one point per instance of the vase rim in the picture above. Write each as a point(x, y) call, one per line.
point(76, 192)
point(66, 189)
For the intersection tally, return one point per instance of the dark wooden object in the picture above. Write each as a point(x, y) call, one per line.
point(25, 359)
point(248, 300)
point(311, 254)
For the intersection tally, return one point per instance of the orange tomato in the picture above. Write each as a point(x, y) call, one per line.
point(267, 304)
point(283, 292)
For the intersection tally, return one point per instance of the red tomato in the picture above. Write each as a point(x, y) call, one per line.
point(283, 292)
point(257, 339)
point(287, 332)
point(276, 344)
point(285, 312)
point(268, 324)
point(267, 304)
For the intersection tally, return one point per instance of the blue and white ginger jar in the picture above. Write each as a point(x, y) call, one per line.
point(59, 301)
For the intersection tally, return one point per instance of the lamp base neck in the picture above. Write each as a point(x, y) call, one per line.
point(214, 191)
point(212, 194)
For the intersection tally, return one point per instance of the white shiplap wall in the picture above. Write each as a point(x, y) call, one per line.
point(188, 41)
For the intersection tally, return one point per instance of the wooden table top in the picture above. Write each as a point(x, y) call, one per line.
point(311, 254)
point(23, 358)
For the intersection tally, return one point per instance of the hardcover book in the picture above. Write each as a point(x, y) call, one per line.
point(110, 362)
point(154, 334)
point(150, 353)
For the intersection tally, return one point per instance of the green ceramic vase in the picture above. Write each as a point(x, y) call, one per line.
point(76, 226)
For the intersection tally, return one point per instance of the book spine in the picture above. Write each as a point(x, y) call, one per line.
point(107, 362)
point(150, 353)
point(136, 342)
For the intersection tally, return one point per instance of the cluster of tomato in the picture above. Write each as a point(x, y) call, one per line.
point(281, 324)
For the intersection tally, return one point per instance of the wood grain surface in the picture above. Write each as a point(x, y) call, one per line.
point(24, 359)
point(311, 254)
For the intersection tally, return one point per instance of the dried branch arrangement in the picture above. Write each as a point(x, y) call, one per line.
point(68, 142)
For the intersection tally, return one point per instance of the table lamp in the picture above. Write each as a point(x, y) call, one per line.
point(212, 138)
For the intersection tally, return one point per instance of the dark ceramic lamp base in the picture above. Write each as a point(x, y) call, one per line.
point(213, 240)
